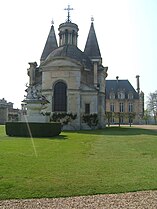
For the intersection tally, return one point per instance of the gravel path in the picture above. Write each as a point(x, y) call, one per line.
point(132, 200)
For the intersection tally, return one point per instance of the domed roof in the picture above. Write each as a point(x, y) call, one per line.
point(73, 52)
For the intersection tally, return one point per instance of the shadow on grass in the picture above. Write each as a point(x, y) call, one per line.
point(119, 131)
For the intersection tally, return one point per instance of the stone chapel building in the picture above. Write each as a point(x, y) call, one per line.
point(72, 80)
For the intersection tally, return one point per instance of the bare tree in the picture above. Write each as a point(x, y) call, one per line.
point(152, 104)
point(146, 116)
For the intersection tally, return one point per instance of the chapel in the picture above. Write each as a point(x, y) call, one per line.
point(71, 80)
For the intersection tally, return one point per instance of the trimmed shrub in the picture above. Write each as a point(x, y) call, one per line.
point(32, 129)
point(91, 119)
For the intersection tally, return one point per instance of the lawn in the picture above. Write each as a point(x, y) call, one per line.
point(112, 160)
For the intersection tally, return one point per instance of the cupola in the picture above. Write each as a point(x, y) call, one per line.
point(68, 31)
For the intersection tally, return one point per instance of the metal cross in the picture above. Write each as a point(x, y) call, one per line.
point(68, 9)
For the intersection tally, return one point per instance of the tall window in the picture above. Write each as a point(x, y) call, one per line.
point(121, 107)
point(60, 97)
point(87, 108)
point(130, 108)
point(111, 107)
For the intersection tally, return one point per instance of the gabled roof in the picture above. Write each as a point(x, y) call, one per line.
point(50, 45)
point(120, 85)
point(92, 47)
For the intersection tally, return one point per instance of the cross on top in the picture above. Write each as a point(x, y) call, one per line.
point(68, 9)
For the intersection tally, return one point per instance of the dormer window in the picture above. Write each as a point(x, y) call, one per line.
point(121, 95)
point(130, 96)
point(112, 95)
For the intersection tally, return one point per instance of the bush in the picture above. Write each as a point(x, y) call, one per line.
point(91, 119)
point(31, 129)
point(63, 117)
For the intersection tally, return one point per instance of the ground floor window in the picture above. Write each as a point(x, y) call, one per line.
point(60, 97)
point(87, 108)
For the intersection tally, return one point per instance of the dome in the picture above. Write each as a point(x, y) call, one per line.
point(72, 52)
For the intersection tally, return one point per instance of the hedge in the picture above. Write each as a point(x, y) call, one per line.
point(32, 129)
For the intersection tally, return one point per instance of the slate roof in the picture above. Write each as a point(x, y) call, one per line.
point(73, 52)
point(50, 45)
point(92, 47)
point(117, 85)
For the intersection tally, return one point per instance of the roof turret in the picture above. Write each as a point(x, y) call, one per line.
point(50, 45)
point(92, 47)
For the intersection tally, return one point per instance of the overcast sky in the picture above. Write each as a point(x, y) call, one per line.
point(126, 31)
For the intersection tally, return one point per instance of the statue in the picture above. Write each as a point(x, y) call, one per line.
point(31, 73)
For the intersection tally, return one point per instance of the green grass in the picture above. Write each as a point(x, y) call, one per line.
point(112, 160)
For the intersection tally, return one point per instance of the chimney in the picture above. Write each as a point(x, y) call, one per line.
point(138, 84)
point(117, 77)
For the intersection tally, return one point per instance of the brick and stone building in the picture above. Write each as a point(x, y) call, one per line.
point(122, 99)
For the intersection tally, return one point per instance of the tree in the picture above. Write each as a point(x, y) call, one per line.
point(131, 116)
point(120, 116)
point(146, 116)
point(109, 116)
point(152, 104)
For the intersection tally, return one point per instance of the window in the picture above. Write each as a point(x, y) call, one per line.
point(121, 120)
point(112, 95)
point(60, 98)
point(111, 107)
point(130, 96)
point(121, 107)
point(87, 108)
point(121, 95)
point(130, 108)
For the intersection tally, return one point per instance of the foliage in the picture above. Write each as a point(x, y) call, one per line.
point(111, 160)
point(63, 117)
point(131, 116)
point(109, 116)
point(32, 129)
point(91, 119)
point(119, 115)
point(152, 104)
point(146, 116)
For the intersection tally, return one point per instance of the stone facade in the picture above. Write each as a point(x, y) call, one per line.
point(7, 112)
point(73, 81)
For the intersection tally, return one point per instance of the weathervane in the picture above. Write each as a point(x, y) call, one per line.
point(68, 9)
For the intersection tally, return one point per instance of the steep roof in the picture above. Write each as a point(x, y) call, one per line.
point(92, 47)
point(50, 45)
point(118, 85)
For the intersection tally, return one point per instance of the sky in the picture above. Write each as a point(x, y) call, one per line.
point(126, 31)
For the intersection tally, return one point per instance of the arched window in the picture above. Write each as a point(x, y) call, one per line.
point(60, 97)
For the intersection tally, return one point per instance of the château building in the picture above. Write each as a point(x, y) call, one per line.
point(123, 100)
point(73, 81)
point(7, 112)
